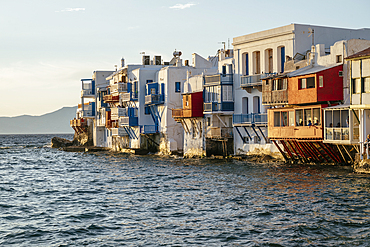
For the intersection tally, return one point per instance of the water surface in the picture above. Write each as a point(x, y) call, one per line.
point(55, 198)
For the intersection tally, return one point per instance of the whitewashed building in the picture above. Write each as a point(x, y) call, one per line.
point(263, 54)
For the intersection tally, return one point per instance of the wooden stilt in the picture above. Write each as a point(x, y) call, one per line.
point(341, 152)
point(319, 151)
point(300, 150)
point(281, 151)
point(287, 149)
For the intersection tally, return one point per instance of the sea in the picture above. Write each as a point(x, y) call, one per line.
point(54, 198)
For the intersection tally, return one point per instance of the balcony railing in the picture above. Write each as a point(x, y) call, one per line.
point(149, 129)
point(118, 112)
point(119, 132)
point(87, 92)
point(129, 121)
point(337, 134)
point(218, 79)
point(154, 99)
point(253, 80)
point(111, 98)
point(80, 122)
point(252, 118)
point(215, 106)
point(220, 132)
point(119, 88)
point(177, 113)
point(125, 97)
point(88, 113)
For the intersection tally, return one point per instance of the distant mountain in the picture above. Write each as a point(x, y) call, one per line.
point(56, 122)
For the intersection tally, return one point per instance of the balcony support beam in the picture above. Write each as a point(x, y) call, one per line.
point(245, 128)
point(281, 151)
point(237, 130)
point(264, 137)
point(256, 132)
point(223, 123)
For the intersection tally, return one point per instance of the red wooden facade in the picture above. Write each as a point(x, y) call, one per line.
point(322, 86)
point(192, 106)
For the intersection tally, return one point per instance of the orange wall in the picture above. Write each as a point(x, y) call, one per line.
point(331, 91)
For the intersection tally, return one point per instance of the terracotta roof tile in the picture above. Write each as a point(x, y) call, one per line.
point(362, 53)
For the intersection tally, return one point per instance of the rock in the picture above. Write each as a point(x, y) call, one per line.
point(362, 167)
point(57, 142)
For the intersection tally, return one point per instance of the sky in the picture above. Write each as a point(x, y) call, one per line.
point(47, 46)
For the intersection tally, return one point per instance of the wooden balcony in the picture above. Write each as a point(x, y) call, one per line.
point(80, 122)
point(110, 98)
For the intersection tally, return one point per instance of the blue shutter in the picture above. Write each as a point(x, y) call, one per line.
point(282, 55)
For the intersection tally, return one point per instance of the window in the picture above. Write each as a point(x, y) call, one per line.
point(224, 69)
point(303, 83)
point(147, 110)
point(307, 82)
point(321, 81)
point(279, 84)
point(149, 81)
point(208, 121)
point(284, 119)
point(366, 84)
point(311, 82)
point(299, 117)
point(277, 119)
point(316, 116)
point(307, 117)
point(256, 62)
point(227, 92)
point(339, 58)
point(291, 118)
point(152, 90)
point(177, 87)
point(356, 85)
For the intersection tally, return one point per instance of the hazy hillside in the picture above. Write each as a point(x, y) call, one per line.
point(51, 123)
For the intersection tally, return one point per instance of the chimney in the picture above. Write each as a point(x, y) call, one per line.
point(122, 62)
point(146, 60)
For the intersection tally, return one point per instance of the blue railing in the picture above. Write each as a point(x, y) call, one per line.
point(154, 99)
point(149, 129)
point(253, 118)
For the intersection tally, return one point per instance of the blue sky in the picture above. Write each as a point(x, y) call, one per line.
point(46, 46)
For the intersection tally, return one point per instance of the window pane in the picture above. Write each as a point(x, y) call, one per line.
point(357, 85)
point(284, 119)
point(311, 82)
point(321, 81)
point(367, 85)
point(299, 117)
point(316, 116)
point(307, 117)
point(291, 118)
point(277, 119)
point(303, 83)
